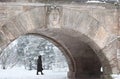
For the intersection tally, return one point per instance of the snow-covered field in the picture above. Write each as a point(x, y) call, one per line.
point(20, 73)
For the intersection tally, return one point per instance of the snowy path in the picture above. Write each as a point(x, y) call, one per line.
point(17, 73)
point(20, 73)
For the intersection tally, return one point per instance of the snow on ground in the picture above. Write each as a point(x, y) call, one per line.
point(20, 73)
point(115, 76)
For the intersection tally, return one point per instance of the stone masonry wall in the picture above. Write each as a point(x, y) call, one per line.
point(99, 22)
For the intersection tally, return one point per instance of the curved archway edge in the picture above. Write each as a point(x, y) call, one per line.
point(60, 38)
point(53, 35)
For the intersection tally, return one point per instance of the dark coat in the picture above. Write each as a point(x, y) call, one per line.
point(39, 64)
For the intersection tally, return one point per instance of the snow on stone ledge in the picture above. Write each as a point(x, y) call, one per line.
point(94, 1)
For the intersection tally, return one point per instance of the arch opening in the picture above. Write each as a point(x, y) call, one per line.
point(29, 48)
point(85, 59)
point(81, 48)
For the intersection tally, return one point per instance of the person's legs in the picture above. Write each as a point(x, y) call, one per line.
point(37, 73)
point(42, 73)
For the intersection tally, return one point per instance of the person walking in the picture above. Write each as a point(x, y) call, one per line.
point(39, 65)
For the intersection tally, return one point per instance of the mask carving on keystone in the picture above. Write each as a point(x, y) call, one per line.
point(54, 17)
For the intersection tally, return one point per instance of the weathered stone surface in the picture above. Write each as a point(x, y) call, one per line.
point(87, 34)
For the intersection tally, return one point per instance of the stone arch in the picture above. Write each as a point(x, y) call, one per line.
point(55, 33)
point(20, 26)
point(63, 39)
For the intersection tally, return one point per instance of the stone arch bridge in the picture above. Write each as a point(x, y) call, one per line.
point(88, 34)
